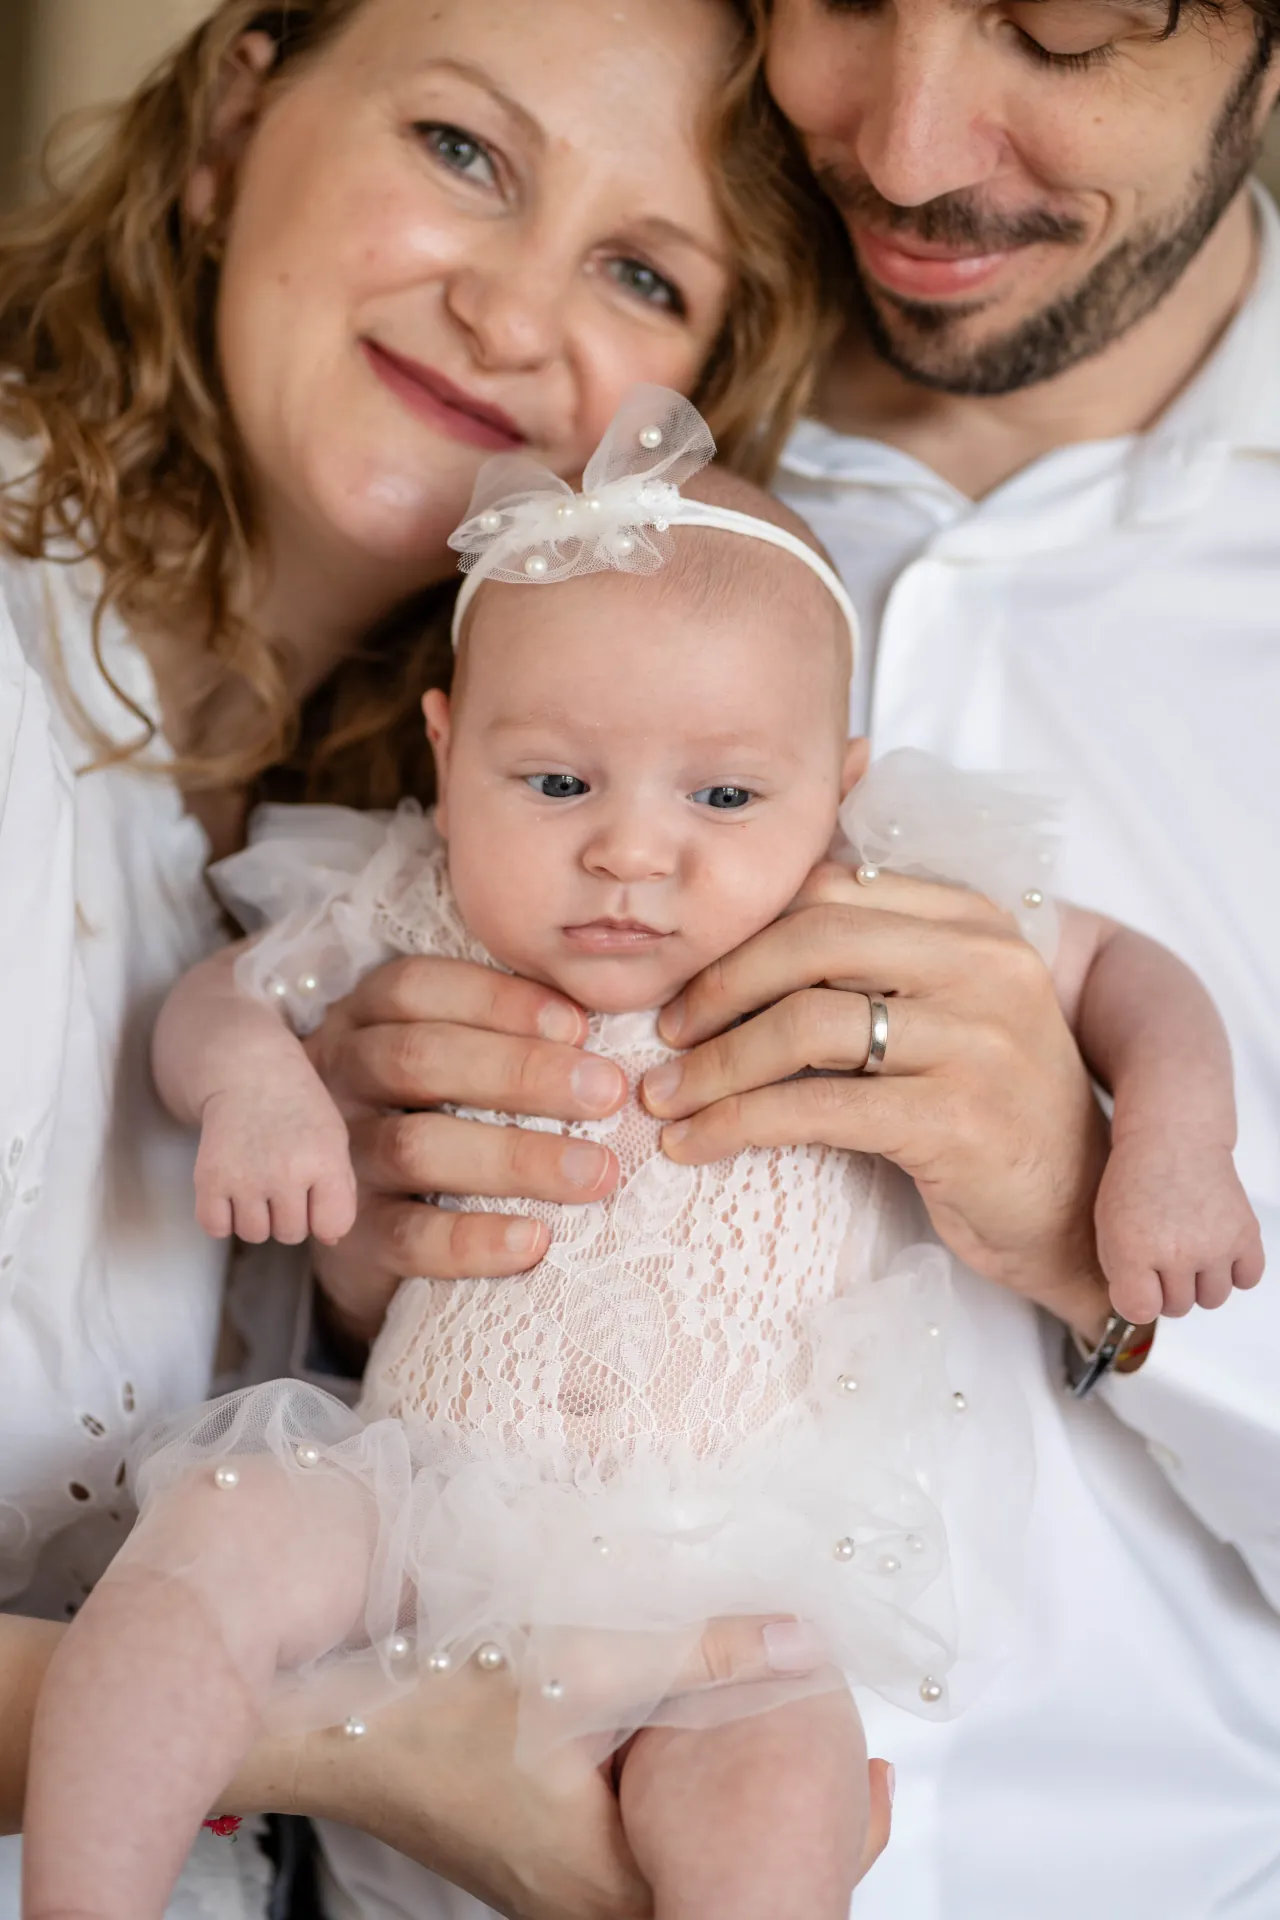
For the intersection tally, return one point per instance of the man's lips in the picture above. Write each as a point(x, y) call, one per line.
point(435, 399)
point(613, 936)
point(919, 271)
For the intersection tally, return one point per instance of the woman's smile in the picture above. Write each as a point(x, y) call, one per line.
point(433, 398)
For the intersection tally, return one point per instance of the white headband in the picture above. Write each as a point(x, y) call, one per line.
point(527, 527)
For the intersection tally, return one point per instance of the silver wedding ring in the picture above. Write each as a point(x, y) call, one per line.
point(878, 1045)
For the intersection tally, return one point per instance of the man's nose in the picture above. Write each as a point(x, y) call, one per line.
point(907, 97)
point(926, 127)
point(512, 306)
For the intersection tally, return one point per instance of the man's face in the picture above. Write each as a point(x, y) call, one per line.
point(1022, 180)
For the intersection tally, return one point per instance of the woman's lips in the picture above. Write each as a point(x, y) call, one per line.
point(919, 272)
point(613, 936)
point(437, 400)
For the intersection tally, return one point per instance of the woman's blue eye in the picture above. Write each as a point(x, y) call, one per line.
point(458, 151)
point(725, 799)
point(557, 786)
point(647, 284)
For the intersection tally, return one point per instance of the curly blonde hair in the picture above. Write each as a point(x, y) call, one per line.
point(108, 364)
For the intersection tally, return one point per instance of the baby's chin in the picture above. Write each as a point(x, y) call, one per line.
point(635, 984)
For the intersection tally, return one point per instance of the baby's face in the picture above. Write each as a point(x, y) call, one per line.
point(632, 785)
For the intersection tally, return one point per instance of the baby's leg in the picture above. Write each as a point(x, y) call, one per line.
point(154, 1697)
point(761, 1819)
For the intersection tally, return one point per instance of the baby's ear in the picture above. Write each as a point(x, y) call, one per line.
point(439, 718)
point(856, 756)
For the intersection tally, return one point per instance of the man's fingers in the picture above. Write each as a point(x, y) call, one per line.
point(427, 1064)
point(420, 1152)
point(412, 1240)
point(832, 882)
point(617, 1674)
point(877, 951)
point(817, 1030)
point(749, 1648)
point(860, 1115)
point(880, 1779)
point(423, 988)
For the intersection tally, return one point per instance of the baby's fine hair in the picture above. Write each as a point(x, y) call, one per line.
point(715, 572)
point(720, 571)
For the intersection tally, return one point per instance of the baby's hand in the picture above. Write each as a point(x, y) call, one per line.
point(1174, 1226)
point(275, 1163)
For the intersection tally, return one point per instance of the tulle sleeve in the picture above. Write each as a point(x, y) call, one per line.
point(307, 886)
point(917, 815)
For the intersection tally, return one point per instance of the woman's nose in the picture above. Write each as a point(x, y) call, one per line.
point(512, 308)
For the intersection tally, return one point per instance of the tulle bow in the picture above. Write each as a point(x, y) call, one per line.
point(526, 524)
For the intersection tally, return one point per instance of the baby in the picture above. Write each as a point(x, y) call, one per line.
point(726, 1390)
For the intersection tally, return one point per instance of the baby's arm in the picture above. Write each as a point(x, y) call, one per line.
point(1174, 1226)
point(274, 1160)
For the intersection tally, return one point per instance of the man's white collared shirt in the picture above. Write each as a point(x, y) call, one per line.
point(1109, 620)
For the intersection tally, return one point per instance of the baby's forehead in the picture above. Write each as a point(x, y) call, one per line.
point(715, 590)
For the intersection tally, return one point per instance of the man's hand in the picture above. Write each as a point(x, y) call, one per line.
point(436, 1777)
point(423, 1033)
point(983, 1098)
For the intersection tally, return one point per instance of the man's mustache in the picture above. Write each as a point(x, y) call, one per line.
point(952, 220)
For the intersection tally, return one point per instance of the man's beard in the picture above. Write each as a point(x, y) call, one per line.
point(1119, 291)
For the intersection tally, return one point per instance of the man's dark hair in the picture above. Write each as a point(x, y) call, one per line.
point(1267, 12)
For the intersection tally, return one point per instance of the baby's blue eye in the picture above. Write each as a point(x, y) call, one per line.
point(557, 786)
point(725, 799)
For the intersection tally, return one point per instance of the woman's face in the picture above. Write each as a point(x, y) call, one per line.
point(467, 228)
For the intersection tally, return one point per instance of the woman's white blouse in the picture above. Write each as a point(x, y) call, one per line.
point(109, 1292)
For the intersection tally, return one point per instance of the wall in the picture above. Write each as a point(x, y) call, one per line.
point(84, 51)
point(15, 21)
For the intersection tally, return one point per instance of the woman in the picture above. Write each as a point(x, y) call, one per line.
point(255, 353)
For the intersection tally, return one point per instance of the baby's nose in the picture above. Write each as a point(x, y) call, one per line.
point(631, 848)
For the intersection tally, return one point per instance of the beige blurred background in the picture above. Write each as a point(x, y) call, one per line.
point(57, 55)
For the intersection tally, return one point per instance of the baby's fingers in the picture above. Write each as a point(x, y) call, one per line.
point(214, 1214)
point(251, 1217)
point(331, 1208)
point(1248, 1265)
point(289, 1211)
point(1140, 1296)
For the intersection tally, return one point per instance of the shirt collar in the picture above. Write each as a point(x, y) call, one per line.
point(1232, 405)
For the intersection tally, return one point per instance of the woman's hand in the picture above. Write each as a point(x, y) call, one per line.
point(420, 1033)
point(983, 1098)
point(436, 1777)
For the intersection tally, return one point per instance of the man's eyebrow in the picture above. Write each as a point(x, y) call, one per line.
point(478, 77)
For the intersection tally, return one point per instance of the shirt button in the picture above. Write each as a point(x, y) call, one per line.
point(1164, 1457)
point(30, 1197)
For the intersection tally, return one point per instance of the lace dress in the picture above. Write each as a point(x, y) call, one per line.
point(727, 1389)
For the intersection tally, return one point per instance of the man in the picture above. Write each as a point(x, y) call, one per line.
point(1048, 465)
point(1047, 460)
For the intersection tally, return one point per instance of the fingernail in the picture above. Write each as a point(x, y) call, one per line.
point(891, 1781)
point(673, 1017)
point(583, 1164)
point(558, 1022)
point(674, 1136)
point(522, 1236)
point(595, 1084)
point(663, 1083)
point(792, 1646)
